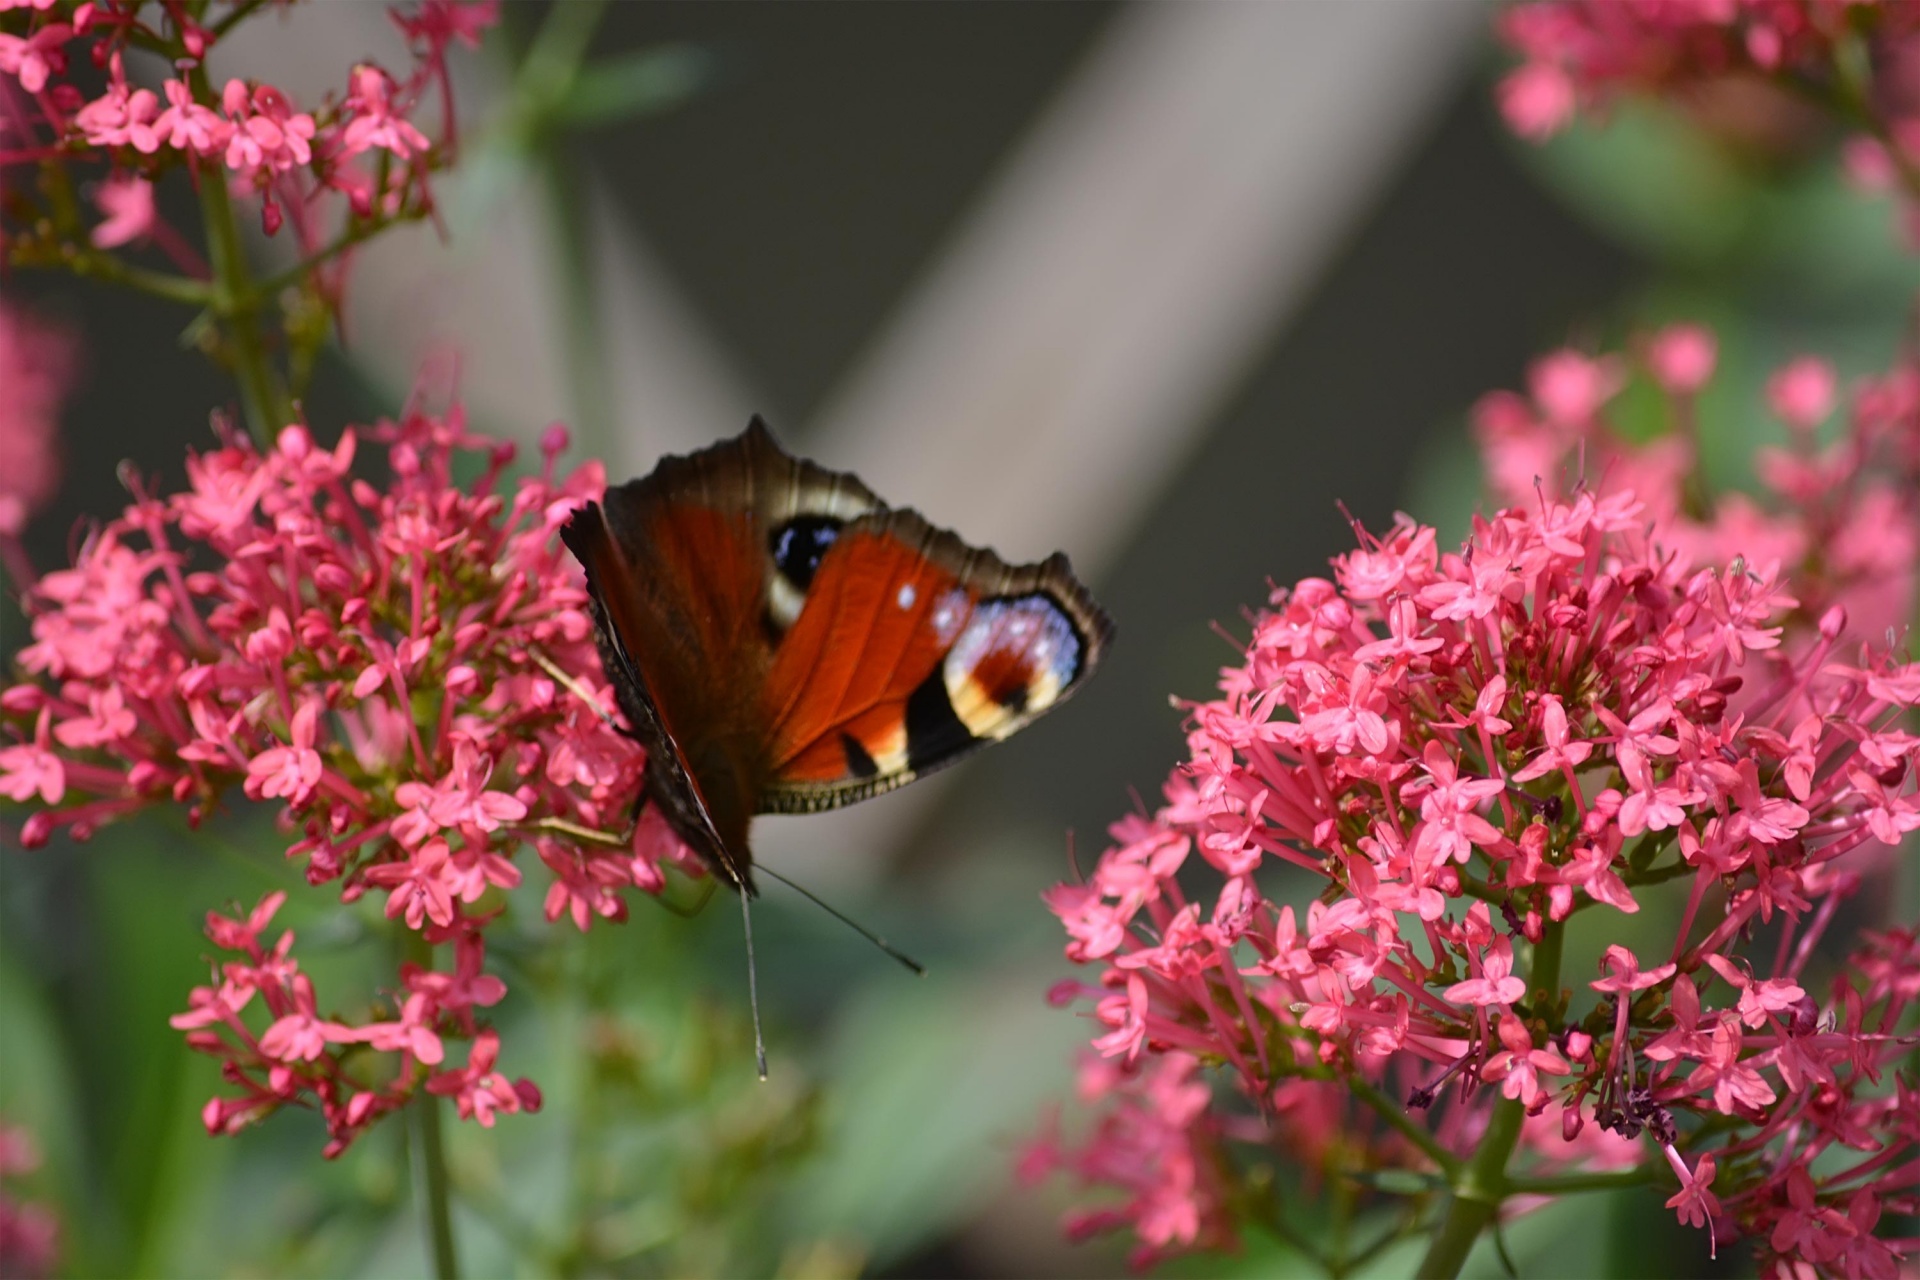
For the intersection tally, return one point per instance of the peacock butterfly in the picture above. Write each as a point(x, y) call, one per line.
point(782, 641)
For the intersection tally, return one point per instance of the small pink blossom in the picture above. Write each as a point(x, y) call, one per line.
point(479, 1092)
point(1537, 100)
point(1802, 393)
point(127, 202)
point(1681, 358)
point(292, 771)
point(269, 136)
point(37, 57)
point(1570, 387)
point(1496, 984)
point(122, 116)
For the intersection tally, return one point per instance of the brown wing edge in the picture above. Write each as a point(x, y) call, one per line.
point(982, 571)
point(749, 472)
point(668, 780)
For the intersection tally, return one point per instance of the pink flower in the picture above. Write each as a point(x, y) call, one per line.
point(1598, 717)
point(190, 126)
point(32, 770)
point(29, 1231)
point(269, 136)
point(127, 202)
point(1496, 984)
point(373, 120)
point(35, 58)
point(1537, 100)
point(1696, 1206)
point(479, 1092)
point(438, 22)
point(301, 1035)
point(1570, 388)
point(216, 644)
point(1624, 975)
point(422, 885)
point(121, 117)
point(1681, 358)
point(1517, 1067)
point(1802, 393)
point(292, 771)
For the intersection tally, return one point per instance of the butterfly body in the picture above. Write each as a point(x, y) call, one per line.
point(782, 641)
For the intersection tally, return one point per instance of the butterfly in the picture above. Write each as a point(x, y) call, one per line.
point(782, 641)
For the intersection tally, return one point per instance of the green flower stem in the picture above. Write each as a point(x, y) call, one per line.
point(430, 1152)
point(237, 304)
point(430, 1179)
point(1482, 1185)
point(1396, 1115)
point(101, 266)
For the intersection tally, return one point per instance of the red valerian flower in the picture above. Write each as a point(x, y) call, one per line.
point(406, 668)
point(311, 166)
point(1569, 713)
point(1841, 518)
point(1855, 58)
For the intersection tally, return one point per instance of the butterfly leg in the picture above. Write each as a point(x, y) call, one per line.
point(580, 691)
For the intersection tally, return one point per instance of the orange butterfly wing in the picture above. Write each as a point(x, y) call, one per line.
point(912, 650)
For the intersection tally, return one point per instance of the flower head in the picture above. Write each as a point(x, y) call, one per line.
point(1568, 714)
point(406, 670)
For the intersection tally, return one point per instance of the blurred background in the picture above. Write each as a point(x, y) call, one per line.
point(1160, 285)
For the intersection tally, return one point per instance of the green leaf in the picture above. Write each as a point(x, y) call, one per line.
point(645, 82)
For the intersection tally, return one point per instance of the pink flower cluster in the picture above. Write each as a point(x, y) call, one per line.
point(1860, 59)
point(1840, 508)
point(36, 368)
point(356, 162)
point(408, 670)
point(1447, 755)
point(29, 1233)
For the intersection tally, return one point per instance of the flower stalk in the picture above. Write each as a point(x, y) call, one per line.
point(432, 1187)
point(1481, 1187)
point(236, 303)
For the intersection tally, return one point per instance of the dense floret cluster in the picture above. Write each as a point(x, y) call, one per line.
point(408, 669)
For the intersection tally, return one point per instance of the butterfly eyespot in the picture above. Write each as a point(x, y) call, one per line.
point(799, 544)
point(1014, 659)
point(797, 547)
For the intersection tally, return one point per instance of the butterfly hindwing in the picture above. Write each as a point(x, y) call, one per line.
point(912, 650)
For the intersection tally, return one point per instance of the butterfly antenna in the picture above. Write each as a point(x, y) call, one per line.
point(848, 921)
point(753, 983)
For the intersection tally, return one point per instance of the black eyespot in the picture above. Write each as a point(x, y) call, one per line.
point(799, 544)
